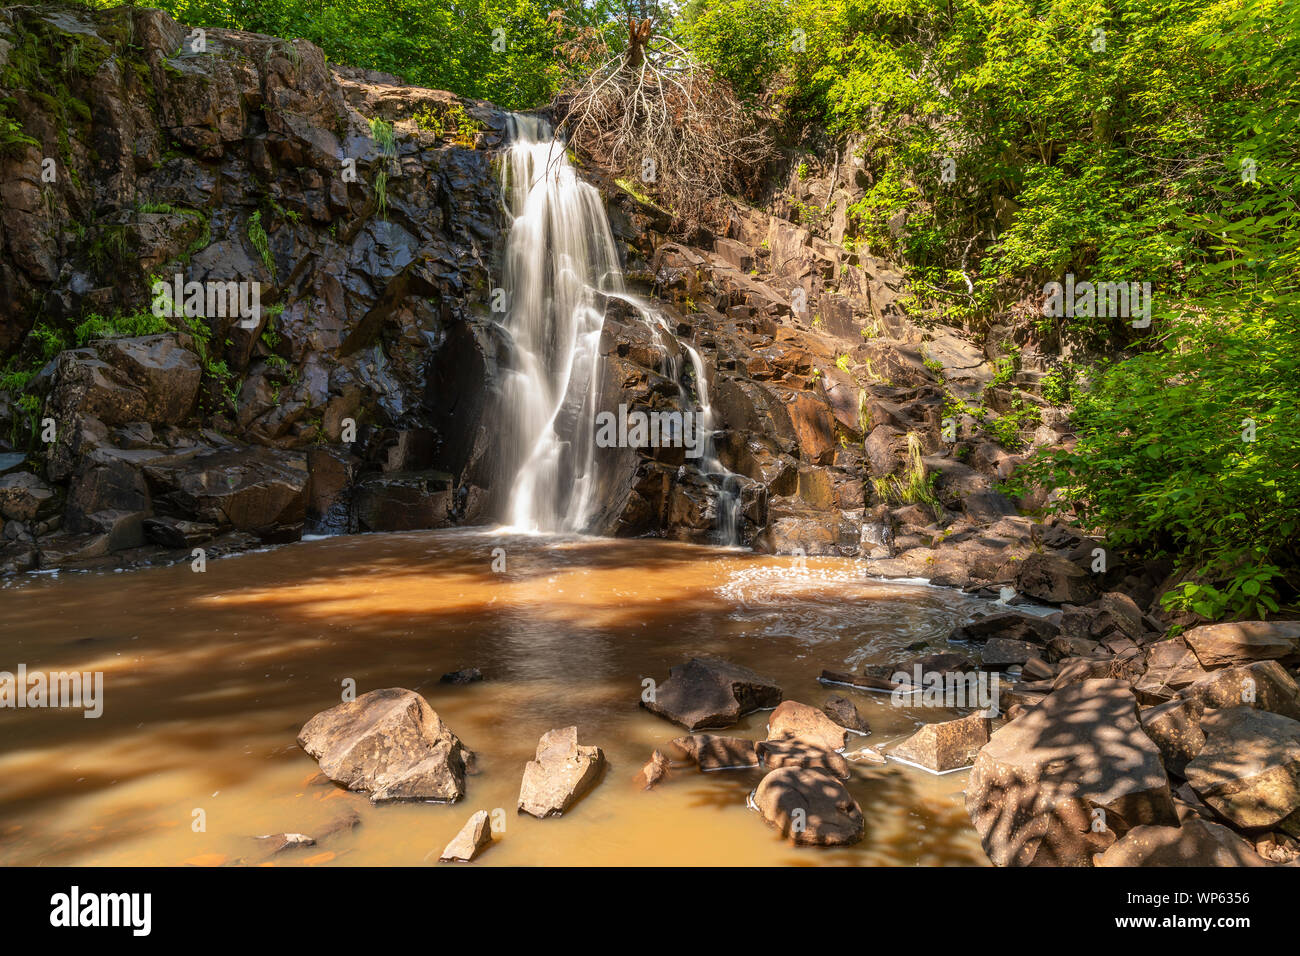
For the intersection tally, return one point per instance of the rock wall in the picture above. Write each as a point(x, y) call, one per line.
point(364, 395)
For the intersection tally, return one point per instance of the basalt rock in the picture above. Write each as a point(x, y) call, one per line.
point(390, 744)
point(793, 719)
point(1195, 843)
point(810, 807)
point(560, 774)
point(946, 745)
point(1064, 780)
point(1055, 580)
point(708, 692)
point(473, 839)
point(1241, 642)
point(1249, 768)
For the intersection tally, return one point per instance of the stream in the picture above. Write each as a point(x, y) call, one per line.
point(208, 678)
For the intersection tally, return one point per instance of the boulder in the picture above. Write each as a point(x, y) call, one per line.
point(708, 692)
point(1264, 685)
point(947, 745)
point(561, 773)
point(253, 489)
point(793, 719)
point(1195, 843)
point(474, 837)
point(716, 752)
point(810, 807)
point(1175, 727)
point(164, 369)
point(794, 752)
point(1168, 667)
point(1055, 580)
point(389, 743)
point(1062, 781)
point(999, 652)
point(1241, 642)
point(845, 713)
point(1008, 625)
point(23, 496)
point(1118, 612)
point(1249, 769)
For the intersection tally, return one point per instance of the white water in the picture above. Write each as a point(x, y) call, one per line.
point(561, 268)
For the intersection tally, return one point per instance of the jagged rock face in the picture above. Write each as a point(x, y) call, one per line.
point(366, 395)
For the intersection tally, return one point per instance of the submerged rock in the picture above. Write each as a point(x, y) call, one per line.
point(389, 743)
point(561, 773)
point(474, 837)
point(466, 675)
point(708, 692)
point(810, 807)
point(716, 752)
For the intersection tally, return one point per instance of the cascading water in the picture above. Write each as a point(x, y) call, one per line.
point(561, 269)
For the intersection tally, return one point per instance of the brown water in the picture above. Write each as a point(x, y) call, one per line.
point(208, 678)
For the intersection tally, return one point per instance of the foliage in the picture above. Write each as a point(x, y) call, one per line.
point(498, 50)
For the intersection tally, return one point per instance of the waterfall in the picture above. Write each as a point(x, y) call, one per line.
point(561, 270)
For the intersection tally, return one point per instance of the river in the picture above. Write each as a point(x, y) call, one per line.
point(209, 676)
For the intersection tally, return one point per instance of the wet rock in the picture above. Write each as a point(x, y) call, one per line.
point(403, 501)
point(796, 752)
point(163, 367)
point(793, 719)
point(845, 713)
point(1055, 580)
point(716, 752)
point(1045, 780)
point(474, 837)
point(1195, 843)
point(177, 533)
point(252, 489)
point(274, 843)
point(708, 692)
point(389, 743)
point(561, 773)
point(917, 670)
point(655, 770)
point(810, 807)
point(946, 745)
point(1009, 626)
point(866, 755)
point(1249, 768)
point(1241, 642)
point(1264, 685)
